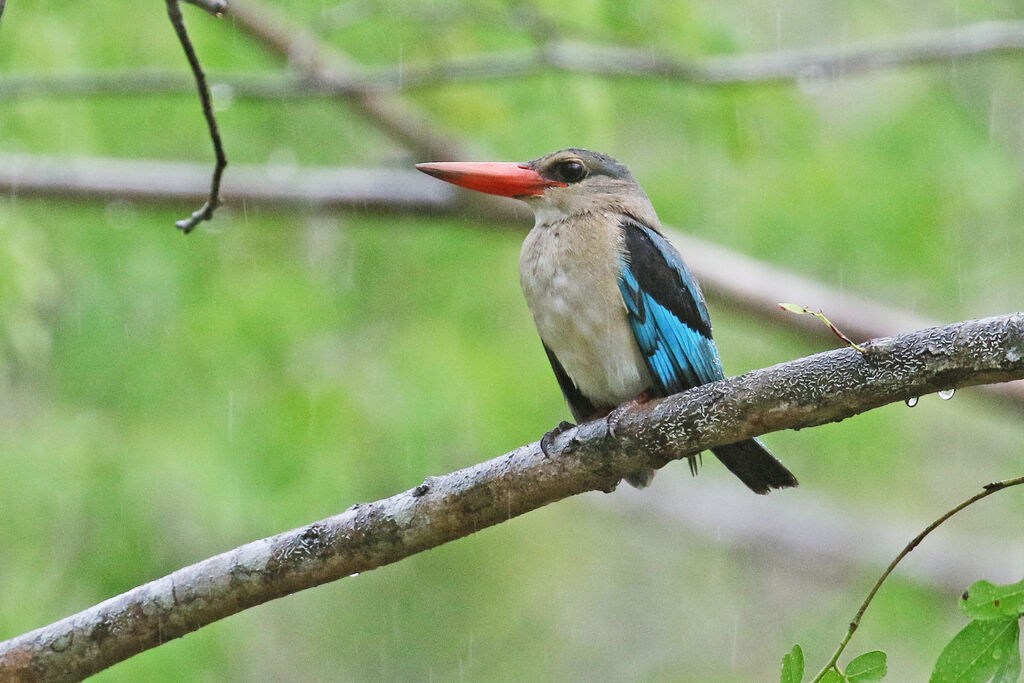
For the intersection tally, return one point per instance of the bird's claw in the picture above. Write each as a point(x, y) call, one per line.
point(613, 416)
point(695, 461)
point(548, 440)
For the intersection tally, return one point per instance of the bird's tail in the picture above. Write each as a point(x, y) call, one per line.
point(755, 466)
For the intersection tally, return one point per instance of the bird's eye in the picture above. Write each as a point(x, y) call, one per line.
point(572, 171)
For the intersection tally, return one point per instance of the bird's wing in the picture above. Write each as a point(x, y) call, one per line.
point(579, 405)
point(666, 311)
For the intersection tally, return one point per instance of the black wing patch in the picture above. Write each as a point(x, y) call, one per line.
point(662, 273)
point(579, 405)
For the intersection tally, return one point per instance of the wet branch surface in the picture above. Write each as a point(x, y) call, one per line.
point(806, 392)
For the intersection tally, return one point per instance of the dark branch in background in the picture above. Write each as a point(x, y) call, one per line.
point(814, 63)
point(215, 7)
point(3, 4)
point(282, 186)
point(810, 391)
point(802, 65)
point(809, 65)
point(806, 66)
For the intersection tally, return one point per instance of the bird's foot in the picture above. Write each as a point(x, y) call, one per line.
point(615, 414)
point(548, 440)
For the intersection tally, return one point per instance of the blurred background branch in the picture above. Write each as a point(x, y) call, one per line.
point(808, 66)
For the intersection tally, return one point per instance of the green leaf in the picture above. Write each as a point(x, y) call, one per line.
point(979, 652)
point(870, 666)
point(793, 666)
point(986, 600)
point(1010, 671)
point(794, 308)
point(833, 676)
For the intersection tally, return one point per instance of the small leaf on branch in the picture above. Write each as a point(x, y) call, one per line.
point(870, 666)
point(793, 666)
point(803, 310)
point(986, 600)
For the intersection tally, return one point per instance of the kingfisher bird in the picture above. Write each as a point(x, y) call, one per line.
point(620, 315)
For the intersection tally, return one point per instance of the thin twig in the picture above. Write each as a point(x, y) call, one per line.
point(803, 310)
point(823, 388)
point(988, 490)
point(205, 213)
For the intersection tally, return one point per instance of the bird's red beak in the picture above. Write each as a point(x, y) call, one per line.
point(504, 178)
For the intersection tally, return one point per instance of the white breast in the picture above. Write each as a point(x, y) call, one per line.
point(569, 274)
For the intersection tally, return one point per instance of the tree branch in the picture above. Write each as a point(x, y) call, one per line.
point(810, 391)
point(254, 86)
point(91, 178)
point(972, 41)
point(815, 63)
point(215, 7)
point(812, 64)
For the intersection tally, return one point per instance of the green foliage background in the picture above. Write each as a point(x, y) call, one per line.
point(164, 398)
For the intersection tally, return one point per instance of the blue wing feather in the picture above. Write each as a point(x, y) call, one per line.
point(666, 311)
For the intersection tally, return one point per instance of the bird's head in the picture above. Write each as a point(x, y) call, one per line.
point(567, 182)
